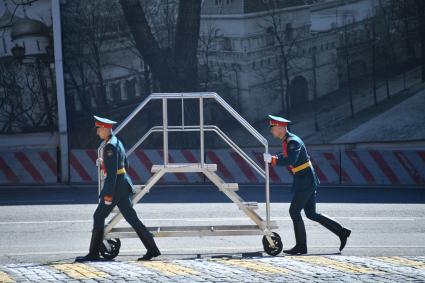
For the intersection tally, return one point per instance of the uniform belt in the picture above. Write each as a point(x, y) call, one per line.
point(301, 167)
point(121, 171)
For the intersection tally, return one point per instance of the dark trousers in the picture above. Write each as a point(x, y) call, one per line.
point(126, 208)
point(124, 204)
point(307, 200)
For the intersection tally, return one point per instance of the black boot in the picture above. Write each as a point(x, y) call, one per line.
point(343, 236)
point(300, 239)
point(95, 243)
point(149, 243)
point(335, 228)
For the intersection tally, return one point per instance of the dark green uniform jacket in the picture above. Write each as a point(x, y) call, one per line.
point(114, 158)
point(296, 154)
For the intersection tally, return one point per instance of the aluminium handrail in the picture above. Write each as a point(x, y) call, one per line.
point(211, 128)
point(194, 95)
point(241, 120)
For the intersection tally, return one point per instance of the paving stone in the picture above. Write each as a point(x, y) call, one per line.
point(260, 269)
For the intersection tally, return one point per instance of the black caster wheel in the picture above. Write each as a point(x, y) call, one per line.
point(110, 249)
point(278, 246)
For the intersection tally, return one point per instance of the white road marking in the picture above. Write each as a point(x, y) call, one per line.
point(44, 222)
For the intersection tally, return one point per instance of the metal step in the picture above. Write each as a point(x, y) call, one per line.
point(184, 167)
point(138, 187)
point(219, 182)
point(190, 231)
point(250, 205)
point(231, 186)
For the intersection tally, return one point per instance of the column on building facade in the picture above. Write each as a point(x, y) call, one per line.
point(138, 86)
point(92, 98)
point(77, 101)
point(123, 90)
point(108, 91)
point(115, 91)
point(130, 87)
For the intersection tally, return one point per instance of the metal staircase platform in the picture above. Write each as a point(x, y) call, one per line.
point(271, 241)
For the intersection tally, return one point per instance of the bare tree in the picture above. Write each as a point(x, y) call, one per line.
point(25, 103)
point(162, 17)
point(285, 37)
point(88, 26)
point(207, 43)
point(345, 43)
point(404, 18)
point(370, 27)
point(173, 61)
point(175, 67)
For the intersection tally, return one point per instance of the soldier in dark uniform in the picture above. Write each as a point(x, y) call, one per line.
point(294, 155)
point(117, 191)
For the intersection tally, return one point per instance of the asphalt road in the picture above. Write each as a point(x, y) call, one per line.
point(53, 224)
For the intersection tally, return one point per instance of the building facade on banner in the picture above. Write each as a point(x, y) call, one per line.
point(239, 57)
point(268, 56)
point(252, 45)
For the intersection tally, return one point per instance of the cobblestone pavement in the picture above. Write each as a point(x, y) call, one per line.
point(334, 268)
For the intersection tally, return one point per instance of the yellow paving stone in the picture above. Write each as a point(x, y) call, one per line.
point(4, 278)
point(168, 268)
point(402, 261)
point(256, 266)
point(79, 270)
point(335, 264)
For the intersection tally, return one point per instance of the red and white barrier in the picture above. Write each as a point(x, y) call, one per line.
point(333, 167)
point(357, 167)
point(387, 167)
point(29, 166)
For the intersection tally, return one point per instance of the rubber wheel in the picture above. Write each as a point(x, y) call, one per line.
point(112, 251)
point(278, 246)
